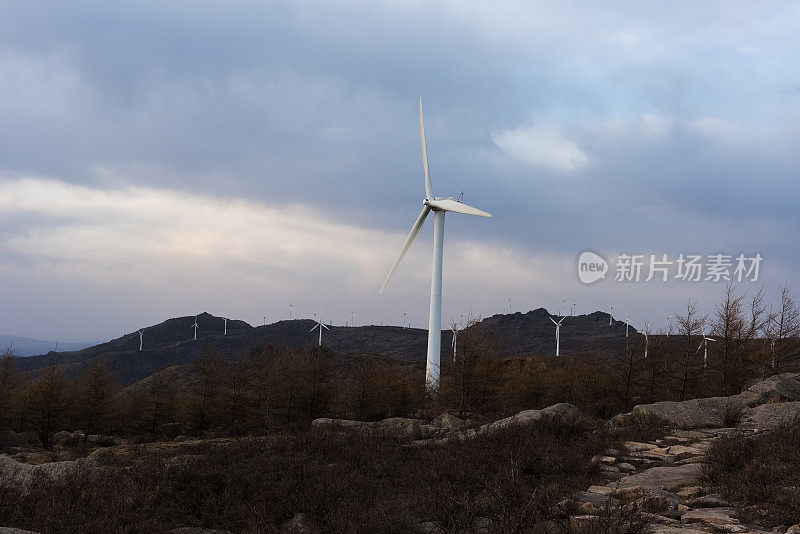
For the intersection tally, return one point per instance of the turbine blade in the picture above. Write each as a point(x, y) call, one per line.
point(459, 207)
point(428, 184)
point(551, 320)
point(326, 328)
point(315, 327)
point(415, 230)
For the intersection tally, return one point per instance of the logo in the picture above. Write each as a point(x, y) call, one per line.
point(591, 267)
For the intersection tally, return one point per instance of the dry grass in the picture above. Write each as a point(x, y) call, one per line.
point(341, 481)
point(760, 475)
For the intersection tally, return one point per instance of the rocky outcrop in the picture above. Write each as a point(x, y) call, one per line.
point(770, 415)
point(719, 412)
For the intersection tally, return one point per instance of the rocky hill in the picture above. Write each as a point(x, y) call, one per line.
point(171, 342)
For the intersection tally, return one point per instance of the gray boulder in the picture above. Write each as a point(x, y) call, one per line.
point(327, 423)
point(402, 427)
point(781, 387)
point(770, 415)
point(448, 422)
point(694, 413)
point(663, 477)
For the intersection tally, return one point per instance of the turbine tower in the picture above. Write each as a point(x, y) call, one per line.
point(319, 325)
point(626, 324)
point(558, 332)
point(611, 315)
point(455, 341)
point(563, 307)
point(572, 313)
point(646, 337)
point(195, 327)
point(439, 206)
point(510, 306)
point(225, 333)
point(140, 340)
point(290, 311)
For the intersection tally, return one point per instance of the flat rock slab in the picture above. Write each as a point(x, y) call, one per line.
point(711, 516)
point(679, 529)
point(695, 413)
point(636, 446)
point(664, 477)
point(597, 500)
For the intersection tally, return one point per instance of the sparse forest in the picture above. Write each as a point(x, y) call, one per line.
point(271, 387)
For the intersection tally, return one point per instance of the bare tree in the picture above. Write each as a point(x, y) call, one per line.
point(96, 390)
point(783, 328)
point(46, 400)
point(688, 326)
point(209, 369)
point(9, 386)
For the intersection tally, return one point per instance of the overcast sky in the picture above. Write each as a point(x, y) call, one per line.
point(167, 158)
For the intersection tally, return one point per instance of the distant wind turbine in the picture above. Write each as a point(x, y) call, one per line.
point(668, 323)
point(404, 320)
point(563, 306)
point(704, 344)
point(319, 325)
point(558, 332)
point(140, 340)
point(611, 315)
point(626, 324)
point(510, 305)
point(195, 327)
point(290, 311)
point(646, 338)
point(439, 206)
point(572, 313)
point(455, 341)
point(225, 333)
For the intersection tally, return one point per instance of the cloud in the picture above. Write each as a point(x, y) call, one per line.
point(539, 146)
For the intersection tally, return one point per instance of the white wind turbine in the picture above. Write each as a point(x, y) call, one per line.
point(558, 332)
point(563, 307)
point(290, 312)
point(195, 327)
point(646, 337)
point(572, 313)
point(704, 344)
point(626, 324)
point(140, 340)
point(611, 315)
point(225, 333)
point(455, 341)
point(319, 325)
point(510, 305)
point(668, 323)
point(404, 319)
point(439, 206)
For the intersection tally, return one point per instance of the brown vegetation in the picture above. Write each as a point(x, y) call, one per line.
point(760, 474)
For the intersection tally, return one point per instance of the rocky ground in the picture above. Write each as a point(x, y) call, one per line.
point(659, 480)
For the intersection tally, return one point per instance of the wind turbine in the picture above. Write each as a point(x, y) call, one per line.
point(646, 337)
point(225, 333)
point(319, 325)
point(572, 313)
point(558, 332)
point(455, 341)
point(611, 315)
point(290, 311)
point(195, 327)
point(404, 319)
point(140, 340)
point(510, 305)
point(704, 344)
point(626, 324)
point(439, 206)
point(668, 323)
point(563, 306)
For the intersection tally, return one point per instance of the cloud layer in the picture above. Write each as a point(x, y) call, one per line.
point(157, 160)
